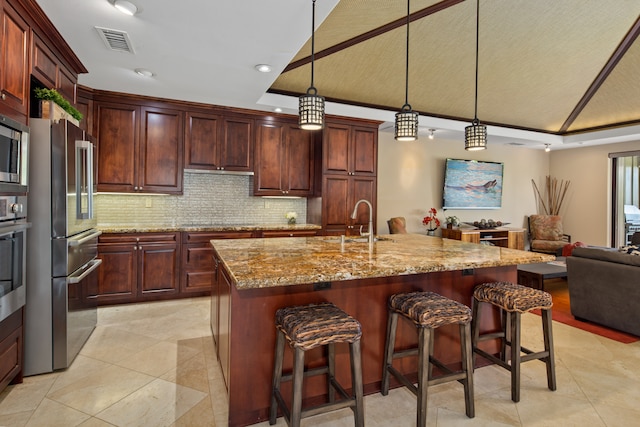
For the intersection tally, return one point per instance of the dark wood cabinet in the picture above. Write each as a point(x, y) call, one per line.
point(140, 149)
point(223, 343)
point(11, 349)
point(284, 159)
point(350, 149)
point(349, 165)
point(117, 133)
point(342, 193)
point(14, 63)
point(218, 142)
point(137, 267)
point(197, 262)
point(161, 149)
point(288, 233)
point(44, 65)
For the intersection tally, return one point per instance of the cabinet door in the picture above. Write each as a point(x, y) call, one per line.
point(197, 267)
point(335, 212)
point(270, 161)
point(161, 151)
point(335, 148)
point(117, 275)
point(14, 60)
point(158, 274)
point(224, 324)
point(237, 144)
point(300, 162)
point(202, 146)
point(362, 187)
point(44, 65)
point(118, 147)
point(364, 151)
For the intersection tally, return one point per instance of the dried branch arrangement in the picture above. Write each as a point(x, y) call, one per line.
point(553, 195)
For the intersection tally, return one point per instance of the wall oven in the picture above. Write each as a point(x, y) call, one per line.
point(14, 160)
point(13, 250)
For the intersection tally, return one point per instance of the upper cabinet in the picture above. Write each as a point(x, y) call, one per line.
point(284, 157)
point(349, 149)
point(47, 69)
point(14, 63)
point(140, 149)
point(219, 142)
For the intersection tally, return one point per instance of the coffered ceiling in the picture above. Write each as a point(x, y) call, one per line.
point(549, 70)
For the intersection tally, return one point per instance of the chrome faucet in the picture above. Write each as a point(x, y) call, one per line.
point(355, 214)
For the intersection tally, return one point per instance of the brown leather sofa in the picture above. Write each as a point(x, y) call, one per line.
point(604, 287)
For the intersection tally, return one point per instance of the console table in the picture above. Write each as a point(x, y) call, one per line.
point(505, 237)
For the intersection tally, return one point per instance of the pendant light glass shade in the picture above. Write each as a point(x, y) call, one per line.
point(406, 124)
point(406, 128)
point(311, 110)
point(311, 106)
point(475, 136)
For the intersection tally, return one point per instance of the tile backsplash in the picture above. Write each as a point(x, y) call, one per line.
point(218, 199)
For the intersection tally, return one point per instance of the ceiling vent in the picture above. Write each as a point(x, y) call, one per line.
point(115, 39)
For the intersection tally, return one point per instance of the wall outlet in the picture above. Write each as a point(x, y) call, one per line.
point(148, 203)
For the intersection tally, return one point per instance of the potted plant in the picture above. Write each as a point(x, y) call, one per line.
point(53, 95)
point(452, 221)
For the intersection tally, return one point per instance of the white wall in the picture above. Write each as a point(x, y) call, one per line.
point(587, 214)
point(410, 180)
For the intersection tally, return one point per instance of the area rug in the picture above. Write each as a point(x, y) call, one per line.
point(561, 312)
point(594, 328)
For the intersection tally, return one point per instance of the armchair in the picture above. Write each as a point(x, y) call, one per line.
point(397, 225)
point(546, 234)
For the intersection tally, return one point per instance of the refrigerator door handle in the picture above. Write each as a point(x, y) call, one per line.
point(84, 179)
point(85, 239)
point(93, 265)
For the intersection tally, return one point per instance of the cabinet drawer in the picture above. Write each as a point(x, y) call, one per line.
point(198, 257)
point(138, 237)
point(286, 233)
point(205, 236)
point(11, 350)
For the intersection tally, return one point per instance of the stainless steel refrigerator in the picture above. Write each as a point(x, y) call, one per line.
point(61, 246)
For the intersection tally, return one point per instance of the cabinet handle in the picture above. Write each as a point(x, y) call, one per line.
point(135, 188)
point(4, 96)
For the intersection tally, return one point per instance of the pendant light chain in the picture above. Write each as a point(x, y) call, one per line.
point(406, 87)
point(313, 41)
point(475, 113)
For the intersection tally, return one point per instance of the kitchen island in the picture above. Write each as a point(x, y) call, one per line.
point(255, 277)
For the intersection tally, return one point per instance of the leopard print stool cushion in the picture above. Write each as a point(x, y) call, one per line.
point(310, 326)
point(512, 297)
point(430, 310)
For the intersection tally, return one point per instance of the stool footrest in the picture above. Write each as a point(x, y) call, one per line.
point(405, 382)
point(490, 336)
point(405, 353)
point(535, 356)
point(326, 407)
point(492, 358)
point(308, 373)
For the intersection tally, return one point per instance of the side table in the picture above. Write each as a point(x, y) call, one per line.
point(534, 275)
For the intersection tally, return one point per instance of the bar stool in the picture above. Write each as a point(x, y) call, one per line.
point(428, 311)
point(513, 300)
point(304, 328)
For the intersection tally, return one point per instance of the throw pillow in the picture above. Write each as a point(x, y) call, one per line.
point(631, 249)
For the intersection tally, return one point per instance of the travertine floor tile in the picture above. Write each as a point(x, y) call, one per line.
point(51, 413)
point(159, 403)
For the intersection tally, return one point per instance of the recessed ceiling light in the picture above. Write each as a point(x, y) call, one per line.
point(278, 110)
point(125, 7)
point(143, 72)
point(263, 68)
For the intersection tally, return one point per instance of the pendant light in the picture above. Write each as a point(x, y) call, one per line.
point(475, 136)
point(311, 106)
point(406, 119)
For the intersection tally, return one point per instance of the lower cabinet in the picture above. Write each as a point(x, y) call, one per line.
point(137, 267)
point(11, 346)
point(197, 263)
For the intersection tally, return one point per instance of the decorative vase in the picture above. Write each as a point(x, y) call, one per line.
point(292, 221)
point(431, 232)
point(449, 226)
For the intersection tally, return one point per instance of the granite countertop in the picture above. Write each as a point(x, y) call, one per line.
point(204, 227)
point(262, 263)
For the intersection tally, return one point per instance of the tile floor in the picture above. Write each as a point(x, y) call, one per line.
point(153, 364)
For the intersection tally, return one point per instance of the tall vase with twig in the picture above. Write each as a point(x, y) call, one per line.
point(553, 197)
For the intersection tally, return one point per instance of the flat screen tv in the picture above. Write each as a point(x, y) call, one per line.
point(472, 184)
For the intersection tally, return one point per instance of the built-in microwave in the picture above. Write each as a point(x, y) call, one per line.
point(14, 160)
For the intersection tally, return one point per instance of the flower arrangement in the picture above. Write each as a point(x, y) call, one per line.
point(431, 221)
point(291, 217)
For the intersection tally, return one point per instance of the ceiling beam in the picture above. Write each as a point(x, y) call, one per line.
point(400, 22)
point(617, 55)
